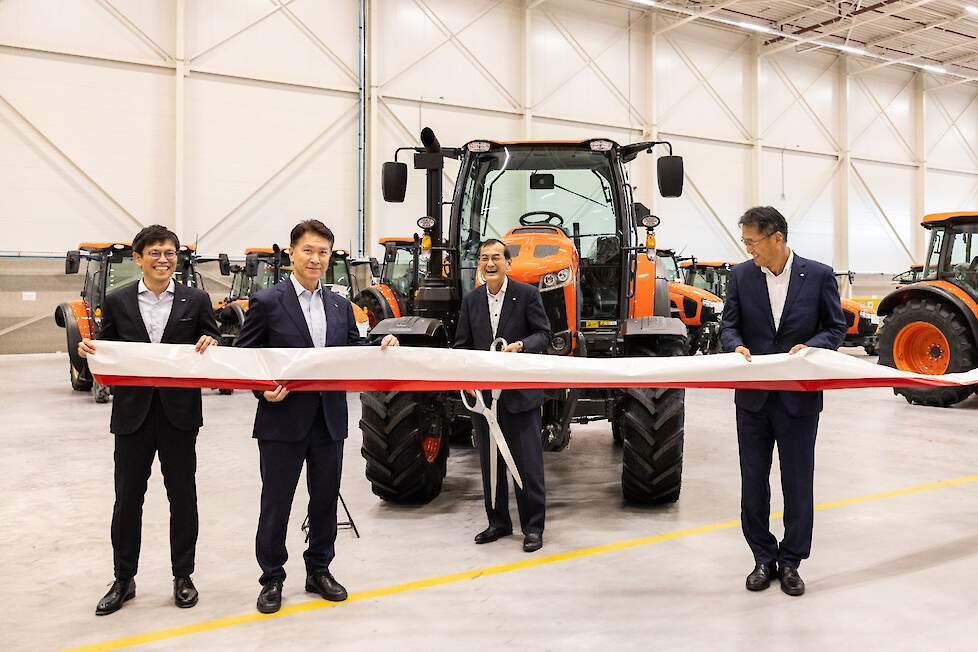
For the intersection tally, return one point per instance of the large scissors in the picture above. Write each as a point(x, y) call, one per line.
point(496, 439)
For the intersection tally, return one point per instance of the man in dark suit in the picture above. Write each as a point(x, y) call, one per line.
point(778, 303)
point(147, 420)
point(502, 307)
point(299, 427)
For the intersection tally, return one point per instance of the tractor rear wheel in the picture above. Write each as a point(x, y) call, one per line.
point(651, 422)
point(404, 463)
point(927, 336)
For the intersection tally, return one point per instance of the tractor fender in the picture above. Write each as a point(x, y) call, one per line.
point(413, 331)
point(233, 312)
point(947, 292)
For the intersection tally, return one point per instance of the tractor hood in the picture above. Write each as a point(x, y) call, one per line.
point(694, 293)
point(539, 250)
point(855, 307)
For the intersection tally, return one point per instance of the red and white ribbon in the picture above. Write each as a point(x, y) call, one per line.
point(419, 369)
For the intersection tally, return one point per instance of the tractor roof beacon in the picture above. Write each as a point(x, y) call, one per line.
point(566, 211)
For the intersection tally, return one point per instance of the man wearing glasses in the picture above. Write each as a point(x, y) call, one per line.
point(151, 420)
point(514, 311)
point(778, 303)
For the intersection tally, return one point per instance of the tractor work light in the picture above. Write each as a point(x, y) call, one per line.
point(601, 145)
point(650, 221)
point(558, 343)
point(555, 280)
point(426, 222)
point(479, 146)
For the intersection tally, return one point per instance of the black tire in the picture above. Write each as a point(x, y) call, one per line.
point(375, 305)
point(229, 320)
point(397, 468)
point(961, 347)
point(78, 375)
point(651, 422)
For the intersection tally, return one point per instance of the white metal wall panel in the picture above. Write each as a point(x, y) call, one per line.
point(881, 115)
point(798, 102)
point(950, 130)
point(881, 217)
point(947, 191)
point(803, 186)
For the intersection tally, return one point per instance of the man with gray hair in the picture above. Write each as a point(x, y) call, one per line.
point(778, 303)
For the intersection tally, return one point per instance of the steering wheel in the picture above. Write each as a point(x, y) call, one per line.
point(552, 219)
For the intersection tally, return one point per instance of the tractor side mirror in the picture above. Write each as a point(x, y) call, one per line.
point(641, 212)
point(251, 265)
point(711, 276)
point(393, 181)
point(224, 264)
point(670, 173)
point(72, 262)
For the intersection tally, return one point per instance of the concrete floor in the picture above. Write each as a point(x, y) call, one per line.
point(897, 571)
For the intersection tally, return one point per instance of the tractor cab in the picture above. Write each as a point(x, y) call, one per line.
point(931, 325)
point(109, 267)
point(709, 275)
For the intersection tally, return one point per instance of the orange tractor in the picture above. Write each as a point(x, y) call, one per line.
point(931, 326)
point(566, 211)
point(709, 275)
point(700, 309)
point(862, 321)
point(109, 267)
point(263, 268)
point(912, 275)
point(393, 294)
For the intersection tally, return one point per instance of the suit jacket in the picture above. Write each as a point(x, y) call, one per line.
point(522, 318)
point(190, 317)
point(275, 320)
point(812, 315)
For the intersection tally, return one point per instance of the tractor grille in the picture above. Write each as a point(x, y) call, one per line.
point(556, 309)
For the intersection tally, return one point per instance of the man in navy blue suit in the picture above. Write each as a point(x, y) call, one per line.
point(778, 303)
point(299, 427)
point(502, 307)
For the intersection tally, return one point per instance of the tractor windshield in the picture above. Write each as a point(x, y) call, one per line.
point(399, 268)
point(696, 276)
point(337, 276)
point(962, 259)
point(122, 271)
point(563, 186)
point(666, 267)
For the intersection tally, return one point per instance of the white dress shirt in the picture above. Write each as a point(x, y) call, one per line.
point(777, 289)
point(496, 305)
point(313, 310)
point(155, 310)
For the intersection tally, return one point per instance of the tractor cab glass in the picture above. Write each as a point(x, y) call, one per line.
point(962, 257)
point(337, 275)
point(711, 279)
point(569, 188)
point(666, 267)
point(400, 267)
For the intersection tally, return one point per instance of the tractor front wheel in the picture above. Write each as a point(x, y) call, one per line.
point(927, 336)
point(651, 423)
point(405, 463)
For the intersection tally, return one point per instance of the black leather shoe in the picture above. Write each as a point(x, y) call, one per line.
point(326, 585)
point(184, 592)
point(760, 578)
point(112, 601)
point(791, 582)
point(492, 533)
point(270, 598)
point(532, 542)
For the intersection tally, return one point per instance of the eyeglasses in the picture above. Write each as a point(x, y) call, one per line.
point(156, 254)
point(751, 243)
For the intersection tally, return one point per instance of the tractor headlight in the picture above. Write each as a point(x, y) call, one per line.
point(556, 279)
point(716, 306)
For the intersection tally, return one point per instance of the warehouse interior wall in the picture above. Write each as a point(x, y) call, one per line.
point(230, 120)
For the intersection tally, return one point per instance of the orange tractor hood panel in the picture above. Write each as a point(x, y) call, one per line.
point(692, 292)
point(541, 250)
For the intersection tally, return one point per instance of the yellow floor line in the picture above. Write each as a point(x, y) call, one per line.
point(531, 562)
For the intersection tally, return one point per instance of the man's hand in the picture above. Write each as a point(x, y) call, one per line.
point(470, 392)
point(744, 351)
point(204, 342)
point(277, 395)
point(796, 348)
point(515, 347)
point(389, 340)
point(86, 347)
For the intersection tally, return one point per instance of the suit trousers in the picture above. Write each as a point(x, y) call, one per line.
point(281, 465)
point(522, 432)
point(134, 454)
point(757, 433)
